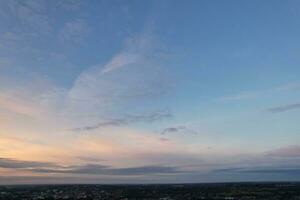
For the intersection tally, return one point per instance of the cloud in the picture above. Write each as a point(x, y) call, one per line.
point(90, 159)
point(270, 170)
point(178, 129)
point(16, 105)
point(35, 15)
point(164, 139)
point(70, 5)
point(120, 60)
point(289, 87)
point(134, 51)
point(241, 96)
point(131, 79)
point(5, 62)
point(32, 98)
point(85, 169)
point(284, 108)
point(292, 171)
point(147, 170)
point(106, 170)
point(31, 15)
point(19, 164)
point(174, 156)
point(281, 161)
point(45, 167)
point(128, 119)
point(74, 31)
point(246, 95)
point(288, 152)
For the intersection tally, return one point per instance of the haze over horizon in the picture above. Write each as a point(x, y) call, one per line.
point(149, 91)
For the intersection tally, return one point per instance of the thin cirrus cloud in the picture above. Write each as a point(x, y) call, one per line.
point(74, 31)
point(251, 94)
point(132, 77)
point(16, 105)
point(284, 108)
point(128, 119)
point(134, 51)
point(24, 23)
point(30, 13)
point(121, 60)
point(35, 16)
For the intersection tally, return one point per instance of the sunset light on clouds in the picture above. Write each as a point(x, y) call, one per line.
point(149, 91)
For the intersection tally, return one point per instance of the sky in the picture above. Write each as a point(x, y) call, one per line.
point(154, 91)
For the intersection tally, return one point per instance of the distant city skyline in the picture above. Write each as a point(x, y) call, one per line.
point(149, 91)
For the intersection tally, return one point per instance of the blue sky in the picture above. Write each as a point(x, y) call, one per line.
point(151, 91)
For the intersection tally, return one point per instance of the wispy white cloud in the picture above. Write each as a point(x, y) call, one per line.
point(120, 60)
point(132, 75)
point(246, 95)
point(74, 31)
point(135, 49)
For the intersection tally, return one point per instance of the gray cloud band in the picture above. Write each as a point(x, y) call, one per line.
point(51, 168)
point(178, 129)
point(284, 108)
point(128, 119)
